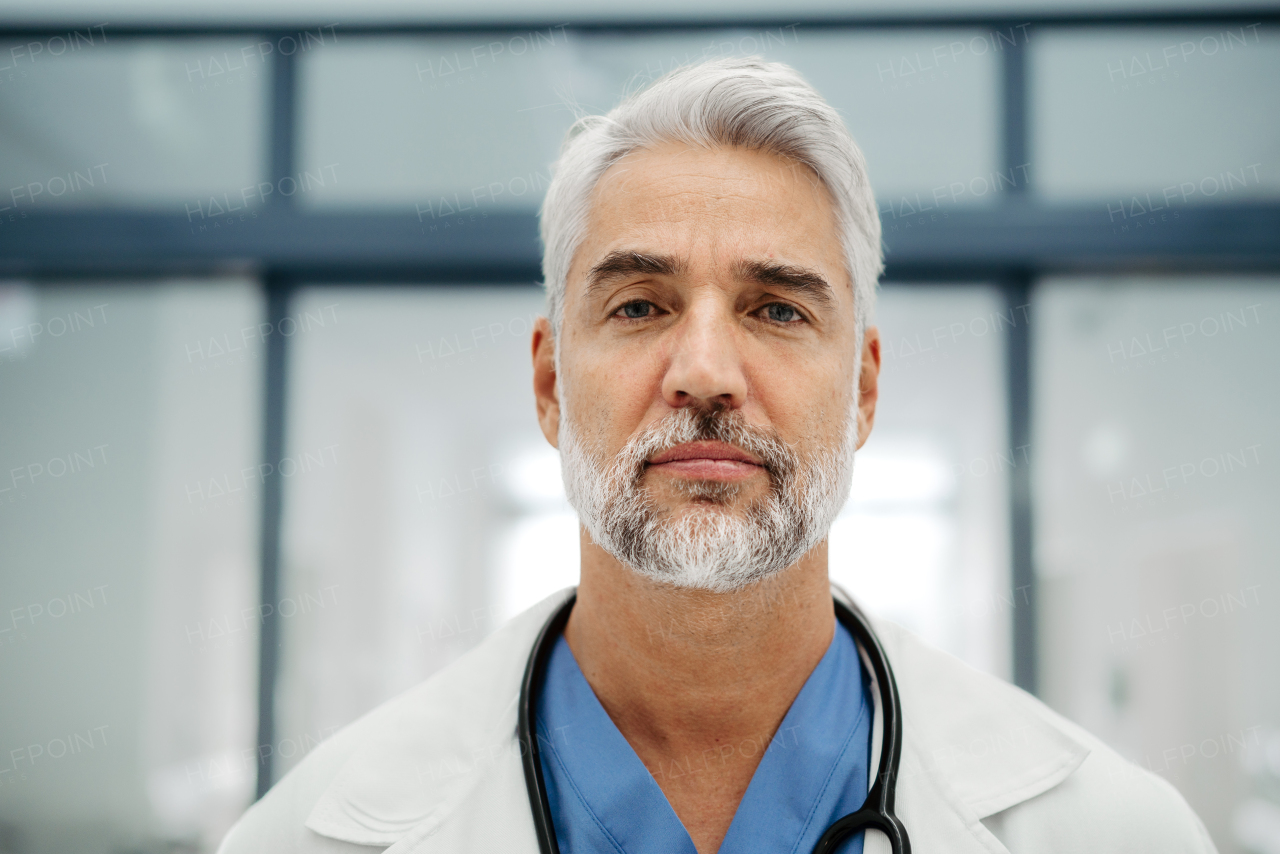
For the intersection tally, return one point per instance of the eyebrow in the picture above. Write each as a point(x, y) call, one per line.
point(621, 264)
point(799, 280)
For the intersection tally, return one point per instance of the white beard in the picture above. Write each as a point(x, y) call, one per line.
point(709, 545)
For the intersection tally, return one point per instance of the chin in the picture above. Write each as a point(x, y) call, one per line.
point(706, 512)
point(708, 493)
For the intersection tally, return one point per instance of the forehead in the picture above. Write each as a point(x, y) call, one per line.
point(712, 206)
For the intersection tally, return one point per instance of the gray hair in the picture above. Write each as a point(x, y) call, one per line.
point(733, 102)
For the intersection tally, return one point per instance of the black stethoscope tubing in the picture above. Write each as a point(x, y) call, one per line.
point(876, 812)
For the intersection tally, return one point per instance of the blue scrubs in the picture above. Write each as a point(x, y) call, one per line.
point(812, 772)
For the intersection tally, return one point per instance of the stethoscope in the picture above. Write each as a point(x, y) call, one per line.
point(876, 811)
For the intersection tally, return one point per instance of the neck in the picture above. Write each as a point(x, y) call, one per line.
point(683, 671)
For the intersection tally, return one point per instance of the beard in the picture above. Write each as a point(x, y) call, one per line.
point(711, 544)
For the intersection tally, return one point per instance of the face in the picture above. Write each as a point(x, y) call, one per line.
point(706, 397)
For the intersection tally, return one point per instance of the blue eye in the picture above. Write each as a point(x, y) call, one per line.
point(636, 310)
point(780, 312)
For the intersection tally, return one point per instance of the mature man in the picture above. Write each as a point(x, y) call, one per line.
point(708, 371)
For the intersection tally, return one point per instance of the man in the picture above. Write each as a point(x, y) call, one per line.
point(708, 371)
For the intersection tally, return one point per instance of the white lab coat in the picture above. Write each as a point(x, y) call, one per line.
point(986, 769)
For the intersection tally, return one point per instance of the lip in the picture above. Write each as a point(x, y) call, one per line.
point(707, 461)
point(705, 451)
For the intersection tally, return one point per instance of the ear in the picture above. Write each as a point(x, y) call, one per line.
point(546, 390)
point(868, 383)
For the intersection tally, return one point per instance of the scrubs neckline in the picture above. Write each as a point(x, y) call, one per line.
point(790, 796)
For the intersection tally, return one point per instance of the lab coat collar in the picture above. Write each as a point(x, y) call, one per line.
point(973, 745)
point(439, 769)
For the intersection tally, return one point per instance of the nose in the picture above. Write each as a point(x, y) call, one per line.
point(706, 369)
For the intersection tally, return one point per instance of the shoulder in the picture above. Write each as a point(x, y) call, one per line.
point(371, 782)
point(1036, 780)
point(277, 822)
point(1107, 804)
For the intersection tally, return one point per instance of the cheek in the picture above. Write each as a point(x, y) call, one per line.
point(609, 396)
point(806, 405)
point(821, 420)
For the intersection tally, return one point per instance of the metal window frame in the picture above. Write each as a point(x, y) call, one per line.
point(1010, 245)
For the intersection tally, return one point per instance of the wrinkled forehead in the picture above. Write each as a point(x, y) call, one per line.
point(701, 206)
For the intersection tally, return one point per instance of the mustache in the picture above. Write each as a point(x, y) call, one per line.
point(709, 425)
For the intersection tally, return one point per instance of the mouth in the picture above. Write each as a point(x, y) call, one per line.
point(717, 461)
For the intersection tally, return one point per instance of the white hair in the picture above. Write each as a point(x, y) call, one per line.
point(729, 102)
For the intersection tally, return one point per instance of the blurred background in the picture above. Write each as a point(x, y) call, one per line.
point(267, 277)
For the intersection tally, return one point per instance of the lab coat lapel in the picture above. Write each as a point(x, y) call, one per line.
point(442, 770)
point(973, 746)
point(493, 816)
point(935, 821)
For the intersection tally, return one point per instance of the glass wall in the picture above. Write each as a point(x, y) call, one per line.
point(469, 124)
point(129, 517)
point(1157, 428)
point(924, 537)
point(90, 121)
point(1126, 115)
point(411, 411)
